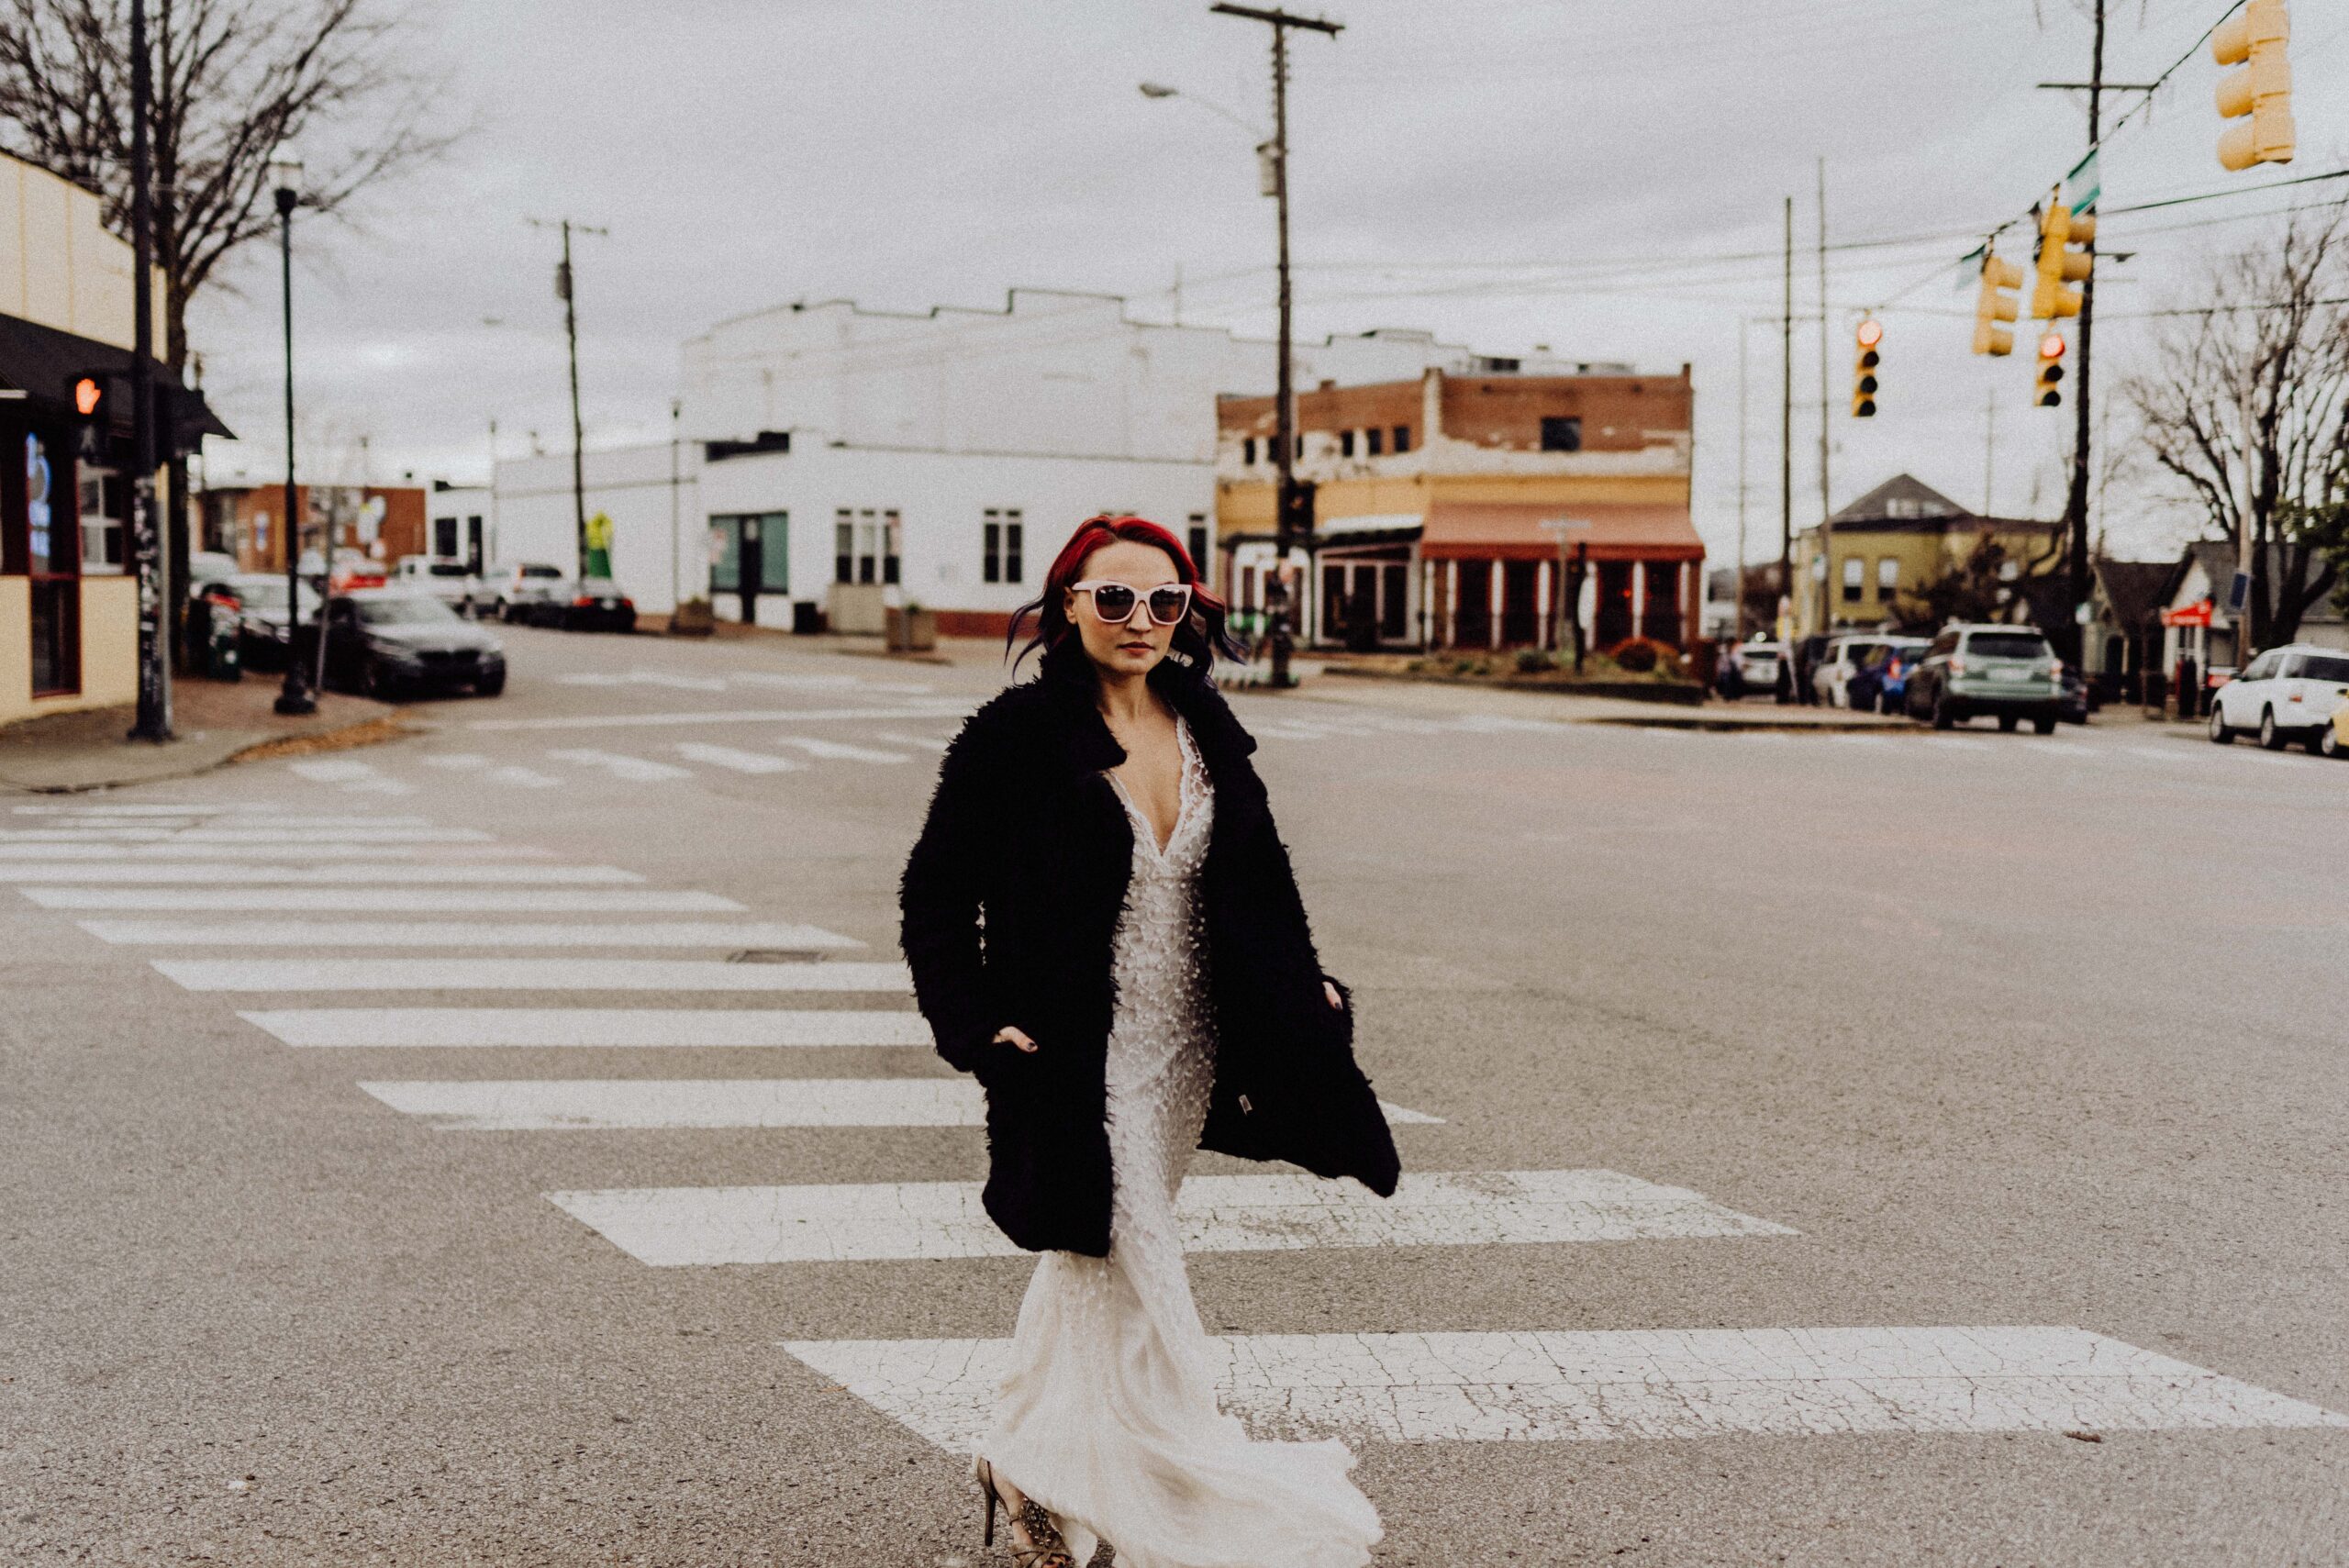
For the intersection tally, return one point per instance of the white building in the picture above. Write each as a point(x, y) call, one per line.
point(940, 457)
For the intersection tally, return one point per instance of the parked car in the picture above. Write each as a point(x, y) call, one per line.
point(2334, 740)
point(523, 586)
point(2007, 671)
point(390, 642)
point(594, 604)
point(1882, 682)
point(2286, 695)
point(262, 634)
point(1756, 665)
point(2076, 704)
point(450, 581)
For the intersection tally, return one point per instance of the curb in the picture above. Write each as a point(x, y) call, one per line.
point(373, 730)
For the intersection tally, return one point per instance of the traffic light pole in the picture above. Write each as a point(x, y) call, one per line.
point(293, 697)
point(566, 290)
point(154, 720)
point(1285, 501)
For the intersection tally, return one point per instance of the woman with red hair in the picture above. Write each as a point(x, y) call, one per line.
point(1103, 927)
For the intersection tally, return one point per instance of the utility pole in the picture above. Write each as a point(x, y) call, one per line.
point(565, 292)
point(676, 528)
point(1990, 454)
point(1786, 427)
point(2076, 499)
point(154, 720)
point(1745, 341)
point(1286, 501)
point(1826, 582)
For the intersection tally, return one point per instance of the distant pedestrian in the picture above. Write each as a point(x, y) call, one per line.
point(1122, 1008)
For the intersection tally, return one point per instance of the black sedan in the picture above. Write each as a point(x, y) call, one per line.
point(389, 642)
point(592, 604)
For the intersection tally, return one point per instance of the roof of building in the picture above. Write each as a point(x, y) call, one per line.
point(2135, 589)
point(1903, 495)
point(1513, 528)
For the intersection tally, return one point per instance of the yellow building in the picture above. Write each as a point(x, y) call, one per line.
point(1889, 545)
point(69, 607)
point(1460, 510)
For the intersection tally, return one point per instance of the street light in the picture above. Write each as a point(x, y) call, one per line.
point(294, 697)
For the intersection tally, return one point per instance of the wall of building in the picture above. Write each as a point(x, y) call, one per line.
point(109, 627)
point(59, 265)
point(940, 498)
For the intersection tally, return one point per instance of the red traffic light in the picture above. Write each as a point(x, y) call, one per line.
point(2051, 346)
point(1871, 333)
point(86, 393)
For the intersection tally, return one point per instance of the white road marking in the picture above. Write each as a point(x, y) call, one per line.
point(1624, 1384)
point(2159, 753)
point(272, 835)
point(226, 873)
point(739, 761)
point(635, 769)
point(379, 786)
point(646, 678)
point(236, 821)
point(676, 1227)
point(333, 770)
point(466, 934)
point(99, 809)
point(524, 778)
point(629, 1027)
point(293, 974)
point(324, 850)
point(728, 716)
point(1959, 743)
point(392, 900)
point(927, 742)
point(456, 761)
point(840, 751)
point(552, 1105)
point(1847, 739)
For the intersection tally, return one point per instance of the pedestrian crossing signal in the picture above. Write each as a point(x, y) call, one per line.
point(2050, 371)
point(2260, 94)
point(1863, 368)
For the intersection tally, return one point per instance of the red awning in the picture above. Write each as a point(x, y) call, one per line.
point(2190, 615)
point(1512, 530)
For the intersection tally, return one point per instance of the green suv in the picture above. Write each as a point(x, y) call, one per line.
point(2005, 670)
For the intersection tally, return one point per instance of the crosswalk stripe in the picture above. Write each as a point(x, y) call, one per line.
point(226, 872)
point(839, 751)
point(727, 717)
point(334, 770)
point(466, 934)
point(676, 1227)
point(100, 809)
point(526, 974)
point(540, 1105)
point(456, 761)
point(635, 769)
point(524, 778)
point(272, 835)
point(186, 824)
point(624, 1028)
point(898, 736)
point(1624, 1384)
point(739, 761)
point(334, 849)
point(392, 900)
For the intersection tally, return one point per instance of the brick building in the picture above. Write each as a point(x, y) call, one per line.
point(1445, 506)
point(382, 522)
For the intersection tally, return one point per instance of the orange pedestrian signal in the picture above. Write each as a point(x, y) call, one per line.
point(87, 396)
point(2050, 371)
point(1863, 368)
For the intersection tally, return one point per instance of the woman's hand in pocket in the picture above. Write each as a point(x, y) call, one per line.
point(1007, 1034)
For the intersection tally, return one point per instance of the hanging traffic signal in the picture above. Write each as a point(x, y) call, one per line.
point(2261, 90)
point(2059, 229)
point(1996, 306)
point(2051, 370)
point(1871, 333)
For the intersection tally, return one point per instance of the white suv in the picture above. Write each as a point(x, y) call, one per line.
point(2288, 694)
point(447, 580)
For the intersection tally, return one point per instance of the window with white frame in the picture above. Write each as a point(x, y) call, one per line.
point(1854, 570)
point(1001, 546)
point(105, 506)
point(1887, 577)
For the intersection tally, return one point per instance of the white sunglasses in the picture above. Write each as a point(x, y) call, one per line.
point(1115, 603)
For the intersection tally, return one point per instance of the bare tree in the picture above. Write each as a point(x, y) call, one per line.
point(234, 81)
point(2246, 408)
point(1985, 585)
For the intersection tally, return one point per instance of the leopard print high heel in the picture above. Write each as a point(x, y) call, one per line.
point(1045, 1548)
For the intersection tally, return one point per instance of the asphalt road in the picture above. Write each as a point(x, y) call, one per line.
point(1959, 1094)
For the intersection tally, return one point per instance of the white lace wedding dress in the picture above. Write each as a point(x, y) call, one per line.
point(1107, 1415)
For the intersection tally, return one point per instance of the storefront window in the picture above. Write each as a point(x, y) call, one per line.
point(49, 560)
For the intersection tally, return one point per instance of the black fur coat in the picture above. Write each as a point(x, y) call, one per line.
point(1010, 902)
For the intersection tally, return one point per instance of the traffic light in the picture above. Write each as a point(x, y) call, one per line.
point(95, 405)
point(1871, 333)
point(2255, 39)
point(2059, 229)
point(2050, 371)
point(1996, 306)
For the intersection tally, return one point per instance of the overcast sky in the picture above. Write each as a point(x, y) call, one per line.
point(1602, 176)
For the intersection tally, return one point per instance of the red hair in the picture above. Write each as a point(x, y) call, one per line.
point(1202, 634)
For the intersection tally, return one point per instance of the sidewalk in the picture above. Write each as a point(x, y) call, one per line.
point(215, 722)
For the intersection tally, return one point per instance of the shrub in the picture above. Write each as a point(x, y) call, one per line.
point(1636, 657)
point(1534, 661)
